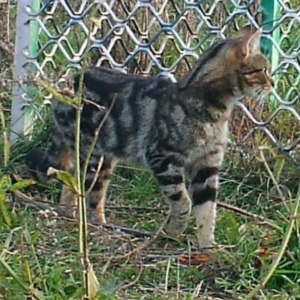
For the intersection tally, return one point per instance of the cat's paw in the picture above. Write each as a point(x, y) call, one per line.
point(176, 226)
point(34, 160)
point(70, 212)
point(179, 217)
point(206, 244)
point(96, 217)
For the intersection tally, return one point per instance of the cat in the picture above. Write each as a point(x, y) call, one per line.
point(173, 129)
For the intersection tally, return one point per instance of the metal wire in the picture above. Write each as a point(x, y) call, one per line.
point(165, 37)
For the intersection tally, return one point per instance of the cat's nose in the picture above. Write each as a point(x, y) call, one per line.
point(272, 83)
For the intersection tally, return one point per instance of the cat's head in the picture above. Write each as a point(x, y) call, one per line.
point(251, 66)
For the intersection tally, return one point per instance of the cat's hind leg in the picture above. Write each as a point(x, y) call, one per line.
point(58, 156)
point(97, 182)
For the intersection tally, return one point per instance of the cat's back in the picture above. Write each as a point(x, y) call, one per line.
point(132, 98)
point(107, 82)
point(133, 103)
point(133, 94)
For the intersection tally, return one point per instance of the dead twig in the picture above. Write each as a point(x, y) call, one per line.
point(241, 211)
point(150, 240)
point(92, 147)
point(22, 198)
point(137, 278)
point(263, 220)
point(135, 208)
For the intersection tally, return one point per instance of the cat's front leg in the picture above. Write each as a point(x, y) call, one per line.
point(169, 174)
point(205, 184)
point(180, 206)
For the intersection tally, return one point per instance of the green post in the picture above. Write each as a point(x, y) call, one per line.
point(271, 14)
point(33, 51)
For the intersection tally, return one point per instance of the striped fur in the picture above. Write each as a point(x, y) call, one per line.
point(174, 129)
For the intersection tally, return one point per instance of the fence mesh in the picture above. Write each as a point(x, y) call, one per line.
point(165, 37)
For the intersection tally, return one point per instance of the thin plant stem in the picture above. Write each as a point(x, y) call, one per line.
point(81, 203)
point(281, 252)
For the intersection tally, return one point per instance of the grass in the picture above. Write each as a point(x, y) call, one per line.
point(39, 247)
point(43, 246)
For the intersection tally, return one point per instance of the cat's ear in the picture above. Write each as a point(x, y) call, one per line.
point(245, 31)
point(250, 40)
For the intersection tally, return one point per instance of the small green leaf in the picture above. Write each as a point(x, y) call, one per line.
point(27, 272)
point(65, 177)
point(9, 286)
point(4, 210)
point(5, 183)
point(21, 185)
point(2, 197)
point(7, 243)
point(35, 237)
point(69, 290)
point(13, 274)
point(278, 167)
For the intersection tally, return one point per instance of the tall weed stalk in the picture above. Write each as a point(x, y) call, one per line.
point(77, 183)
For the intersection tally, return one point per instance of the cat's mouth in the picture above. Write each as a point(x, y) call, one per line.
point(260, 93)
point(263, 93)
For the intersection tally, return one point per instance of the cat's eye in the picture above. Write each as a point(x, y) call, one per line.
point(266, 71)
point(253, 71)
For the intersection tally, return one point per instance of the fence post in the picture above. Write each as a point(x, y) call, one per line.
point(32, 91)
point(270, 14)
point(24, 45)
point(21, 45)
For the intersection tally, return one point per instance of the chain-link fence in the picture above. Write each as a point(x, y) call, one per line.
point(163, 37)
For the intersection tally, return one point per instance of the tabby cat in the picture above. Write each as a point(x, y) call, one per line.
point(173, 129)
